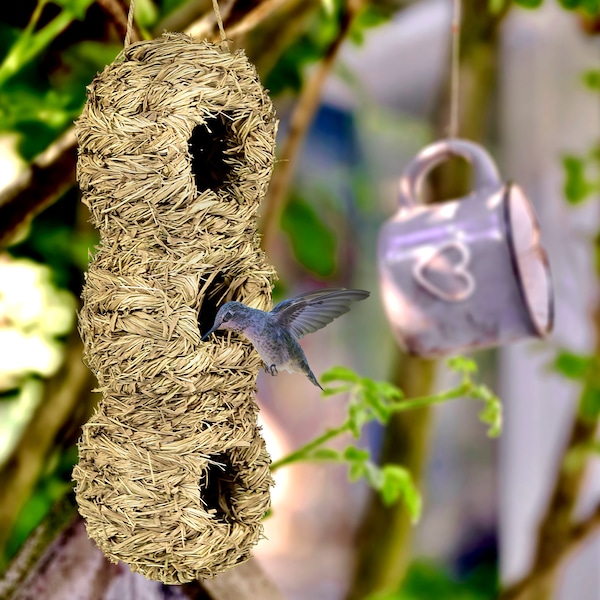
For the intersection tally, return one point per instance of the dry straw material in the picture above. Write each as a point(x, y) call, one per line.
point(176, 147)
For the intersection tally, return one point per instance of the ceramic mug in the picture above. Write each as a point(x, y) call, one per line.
point(467, 273)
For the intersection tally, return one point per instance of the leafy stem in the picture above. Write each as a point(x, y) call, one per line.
point(31, 43)
point(378, 400)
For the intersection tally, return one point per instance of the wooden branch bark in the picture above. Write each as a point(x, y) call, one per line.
point(59, 561)
point(48, 177)
point(543, 573)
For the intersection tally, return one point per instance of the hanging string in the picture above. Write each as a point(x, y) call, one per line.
point(455, 70)
point(215, 4)
point(129, 24)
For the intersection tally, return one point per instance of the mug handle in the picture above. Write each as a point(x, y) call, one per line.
point(484, 168)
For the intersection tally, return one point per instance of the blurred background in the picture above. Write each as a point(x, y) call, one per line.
point(360, 87)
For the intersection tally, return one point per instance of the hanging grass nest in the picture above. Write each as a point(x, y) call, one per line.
point(176, 147)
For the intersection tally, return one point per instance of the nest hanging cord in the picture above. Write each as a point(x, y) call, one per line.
point(129, 24)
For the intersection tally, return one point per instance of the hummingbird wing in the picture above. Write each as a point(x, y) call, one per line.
point(311, 311)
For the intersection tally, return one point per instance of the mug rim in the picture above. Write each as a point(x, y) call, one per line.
point(514, 261)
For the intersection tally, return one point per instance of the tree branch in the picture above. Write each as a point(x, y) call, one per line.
point(302, 117)
point(66, 397)
point(48, 177)
point(118, 10)
point(543, 571)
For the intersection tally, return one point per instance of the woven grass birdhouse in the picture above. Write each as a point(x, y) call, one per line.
point(176, 147)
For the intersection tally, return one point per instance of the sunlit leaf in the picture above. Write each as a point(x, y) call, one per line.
point(374, 476)
point(398, 483)
point(462, 364)
point(375, 401)
point(389, 390)
point(356, 470)
point(352, 453)
point(146, 13)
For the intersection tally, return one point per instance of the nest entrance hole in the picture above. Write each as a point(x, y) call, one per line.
point(218, 487)
point(213, 298)
point(211, 147)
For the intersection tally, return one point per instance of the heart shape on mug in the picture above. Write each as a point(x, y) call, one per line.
point(439, 267)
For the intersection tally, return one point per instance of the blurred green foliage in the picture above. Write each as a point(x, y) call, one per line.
point(589, 7)
point(322, 29)
point(426, 580)
point(313, 242)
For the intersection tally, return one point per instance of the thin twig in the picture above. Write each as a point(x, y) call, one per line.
point(300, 121)
point(252, 19)
point(117, 10)
point(49, 176)
point(576, 535)
point(556, 532)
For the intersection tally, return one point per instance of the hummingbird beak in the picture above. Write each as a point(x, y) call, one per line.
point(207, 334)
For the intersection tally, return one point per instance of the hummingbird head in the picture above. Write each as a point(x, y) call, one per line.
point(232, 316)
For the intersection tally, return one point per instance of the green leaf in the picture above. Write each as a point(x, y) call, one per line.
point(340, 373)
point(591, 7)
point(398, 483)
point(146, 13)
point(374, 400)
point(577, 186)
point(389, 390)
point(334, 391)
point(570, 4)
point(591, 79)
point(367, 18)
point(77, 8)
point(462, 364)
point(529, 3)
point(356, 470)
point(571, 365)
point(313, 243)
point(354, 454)
point(374, 476)
point(328, 7)
point(492, 416)
point(357, 417)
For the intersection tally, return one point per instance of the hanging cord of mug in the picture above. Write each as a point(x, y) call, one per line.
point(455, 70)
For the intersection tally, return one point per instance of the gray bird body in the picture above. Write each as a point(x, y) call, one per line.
point(275, 334)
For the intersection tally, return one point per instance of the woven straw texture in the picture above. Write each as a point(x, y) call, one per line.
point(176, 148)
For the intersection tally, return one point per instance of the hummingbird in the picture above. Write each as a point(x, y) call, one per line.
point(275, 334)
